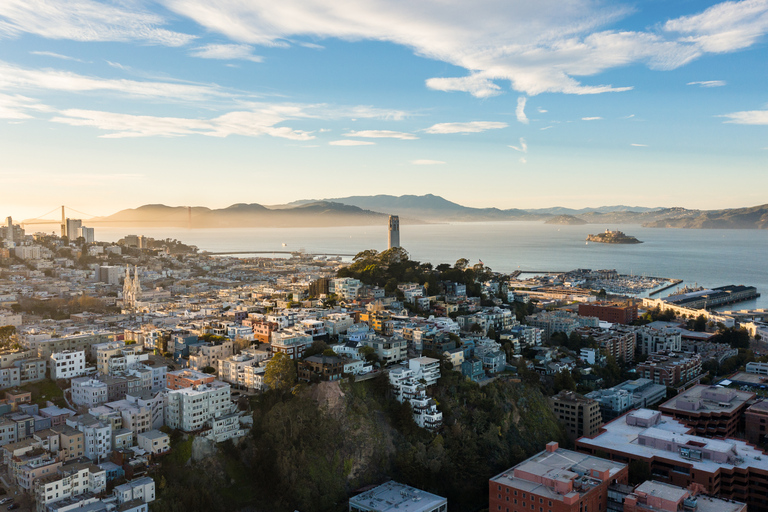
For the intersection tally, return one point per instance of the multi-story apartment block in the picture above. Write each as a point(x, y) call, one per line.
point(630, 394)
point(139, 489)
point(651, 496)
point(71, 442)
point(321, 367)
point(154, 442)
point(580, 415)
point(88, 391)
point(728, 468)
point(189, 409)
point(345, 287)
point(102, 352)
point(409, 384)
point(566, 322)
point(69, 480)
point(97, 436)
point(390, 350)
point(290, 342)
point(68, 364)
point(671, 369)
point(209, 354)
point(709, 410)
point(556, 480)
point(618, 342)
point(46, 347)
point(653, 340)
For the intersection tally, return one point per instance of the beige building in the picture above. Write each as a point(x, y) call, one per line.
point(580, 415)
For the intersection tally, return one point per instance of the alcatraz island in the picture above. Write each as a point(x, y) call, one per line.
point(613, 237)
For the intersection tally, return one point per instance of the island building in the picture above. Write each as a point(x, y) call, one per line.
point(728, 468)
point(710, 411)
point(396, 497)
point(556, 480)
point(580, 415)
point(394, 231)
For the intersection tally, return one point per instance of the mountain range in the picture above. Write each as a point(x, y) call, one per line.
point(373, 210)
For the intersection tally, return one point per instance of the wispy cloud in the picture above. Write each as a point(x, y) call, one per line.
point(523, 147)
point(351, 143)
point(630, 116)
point(523, 160)
point(381, 134)
point(471, 127)
point(708, 83)
point(520, 110)
point(545, 128)
point(427, 162)
point(226, 52)
point(86, 20)
point(252, 124)
point(596, 118)
point(541, 110)
point(58, 56)
point(759, 117)
point(639, 145)
point(19, 107)
point(543, 46)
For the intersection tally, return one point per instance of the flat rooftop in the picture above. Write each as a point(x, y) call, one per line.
point(393, 496)
point(677, 494)
point(620, 437)
point(707, 399)
point(561, 465)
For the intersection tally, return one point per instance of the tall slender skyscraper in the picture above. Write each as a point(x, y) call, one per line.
point(394, 231)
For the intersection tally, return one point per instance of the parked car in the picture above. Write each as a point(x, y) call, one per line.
point(13, 506)
point(5, 500)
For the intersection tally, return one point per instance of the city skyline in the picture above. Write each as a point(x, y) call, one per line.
point(106, 106)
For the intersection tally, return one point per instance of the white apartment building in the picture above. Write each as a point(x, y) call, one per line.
point(136, 418)
point(189, 409)
point(425, 368)
point(97, 436)
point(126, 358)
point(102, 352)
point(407, 385)
point(67, 364)
point(238, 370)
point(88, 392)
point(345, 287)
point(70, 480)
point(656, 340)
point(139, 489)
point(210, 354)
point(338, 323)
point(390, 350)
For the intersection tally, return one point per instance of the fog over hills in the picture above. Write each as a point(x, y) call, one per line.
point(373, 210)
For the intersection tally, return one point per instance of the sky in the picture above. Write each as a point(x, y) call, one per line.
point(106, 105)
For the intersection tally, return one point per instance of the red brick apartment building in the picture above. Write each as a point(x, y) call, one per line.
point(556, 480)
point(709, 410)
point(625, 313)
point(728, 468)
point(756, 420)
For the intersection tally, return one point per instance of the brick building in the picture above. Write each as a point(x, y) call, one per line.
point(610, 312)
point(556, 480)
point(756, 422)
point(580, 415)
point(727, 468)
point(709, 410)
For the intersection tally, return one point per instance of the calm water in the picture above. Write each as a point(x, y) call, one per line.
point(707, 257)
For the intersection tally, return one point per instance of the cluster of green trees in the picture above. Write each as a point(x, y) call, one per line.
point(393, 266)
point(60, 309)
point(312, 446)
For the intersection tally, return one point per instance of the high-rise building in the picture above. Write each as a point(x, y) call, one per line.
point(72, 226)
point(394, 231)
point(580, 415)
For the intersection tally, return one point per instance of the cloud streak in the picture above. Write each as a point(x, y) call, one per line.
point(520, 110)
point(708, 83)
point(382, 134)
point(758, 117)
point(226, 52)
point(471, 127)
point(349, 142)
point(523, 147)
point(595, 118)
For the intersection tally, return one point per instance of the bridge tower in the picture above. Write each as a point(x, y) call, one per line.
point(63, 223)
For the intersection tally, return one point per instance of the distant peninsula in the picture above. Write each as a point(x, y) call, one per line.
point(424, 209)
point(566, 220)
point(613, 237)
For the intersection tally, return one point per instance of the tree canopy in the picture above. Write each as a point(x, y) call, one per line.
point(280, 374)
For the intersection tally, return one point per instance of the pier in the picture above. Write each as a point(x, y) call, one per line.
point(675, 282)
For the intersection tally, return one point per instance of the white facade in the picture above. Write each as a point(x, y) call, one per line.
point(154, 442)
point(97, 436)
point(71, 480)
point(190, 408)
point(88, 392)
point(139, 489)
point(345, 287)
point(68, 364)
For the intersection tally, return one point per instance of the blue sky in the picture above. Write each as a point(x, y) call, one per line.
point(109, 105)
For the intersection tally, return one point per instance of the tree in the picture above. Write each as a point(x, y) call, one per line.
point(369, 354)
point(280, 374)
point(475, 328)
point(318, 347)
point(7, 333)
point(209, 369)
